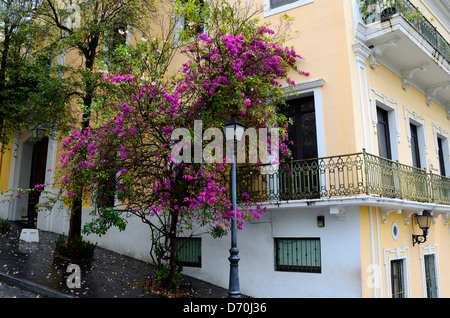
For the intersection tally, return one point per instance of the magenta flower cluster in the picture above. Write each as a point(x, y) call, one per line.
point(224, 75)
point(233, 71)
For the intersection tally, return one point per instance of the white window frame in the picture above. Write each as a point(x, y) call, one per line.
point(268, 11)
point(393, 126)
point(411, 117)
point(396, 254)
point(404, 277)
point(421, 141)
point(303, 89)
point(430, 250)
point(313, 87)
point(442, 134)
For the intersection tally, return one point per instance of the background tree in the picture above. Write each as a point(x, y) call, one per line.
point(31, 90)
point(234, 69)
point(91, 29)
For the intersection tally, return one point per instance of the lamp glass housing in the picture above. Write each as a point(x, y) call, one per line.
point(424, 220)
point(233, 129)
point(38, 132)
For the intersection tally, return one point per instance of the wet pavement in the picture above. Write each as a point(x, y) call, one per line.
point(32, 267)
point(8, 291)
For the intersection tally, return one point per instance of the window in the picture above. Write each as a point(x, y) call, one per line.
point(199, 26)
point(441, 156)
point(192, 21)
point(395, 231)
point(277, 6)
point(301, 179)
point(106, 192)
point(118, 36)
point(297, 255)
point(430, 275)
point(303, 132)
point(397, 279)
point(384, 144)
point(278, 3)
point(415, 146)
point(190, 251)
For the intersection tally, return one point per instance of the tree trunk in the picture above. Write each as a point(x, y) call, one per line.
point(77, 208)
point(75, 216)
point(172, 268)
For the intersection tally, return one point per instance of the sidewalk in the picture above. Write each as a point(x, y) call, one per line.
point(31, 266)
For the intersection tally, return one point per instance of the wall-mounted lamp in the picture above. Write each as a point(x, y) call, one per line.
point(38, 132)
point(321, 221)
point(424, 222)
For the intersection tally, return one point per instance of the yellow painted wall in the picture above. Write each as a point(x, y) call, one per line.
point(387, 83)
point(378, 246)
point(325, 43)
point(5, 163)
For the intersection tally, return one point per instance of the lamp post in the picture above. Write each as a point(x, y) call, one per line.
point(234, 131)
point(424, 222)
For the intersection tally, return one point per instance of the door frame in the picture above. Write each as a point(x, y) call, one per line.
point(20, 171)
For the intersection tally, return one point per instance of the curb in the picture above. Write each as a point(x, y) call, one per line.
point(32, 287)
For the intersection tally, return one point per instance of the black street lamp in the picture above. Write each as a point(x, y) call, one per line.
point(424, 222)
point(234, 131)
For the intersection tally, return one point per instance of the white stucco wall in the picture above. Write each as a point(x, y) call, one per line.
point(340, 252)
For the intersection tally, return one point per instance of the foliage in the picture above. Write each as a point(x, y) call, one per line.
point(92, 29)
point(126, 163)
point(74, 249)
point(163, 274)
point(4, 226)
point(31, 90)
point(50, 199)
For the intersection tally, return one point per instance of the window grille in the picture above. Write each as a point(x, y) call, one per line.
point(190, 251)
point(278, 3)
point(297, 255)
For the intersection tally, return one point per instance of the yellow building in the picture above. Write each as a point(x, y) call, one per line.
point(371, 149)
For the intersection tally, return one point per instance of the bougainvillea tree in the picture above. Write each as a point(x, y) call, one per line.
point(236, 67)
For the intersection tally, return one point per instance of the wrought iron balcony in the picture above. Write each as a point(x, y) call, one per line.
point(384, 9)
point(338, 176)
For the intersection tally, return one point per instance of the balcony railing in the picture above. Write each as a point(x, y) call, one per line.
point(339, 176)
point(384, 9)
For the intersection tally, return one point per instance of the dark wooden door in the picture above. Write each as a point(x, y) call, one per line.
point(299, 178)
point(37, 176)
